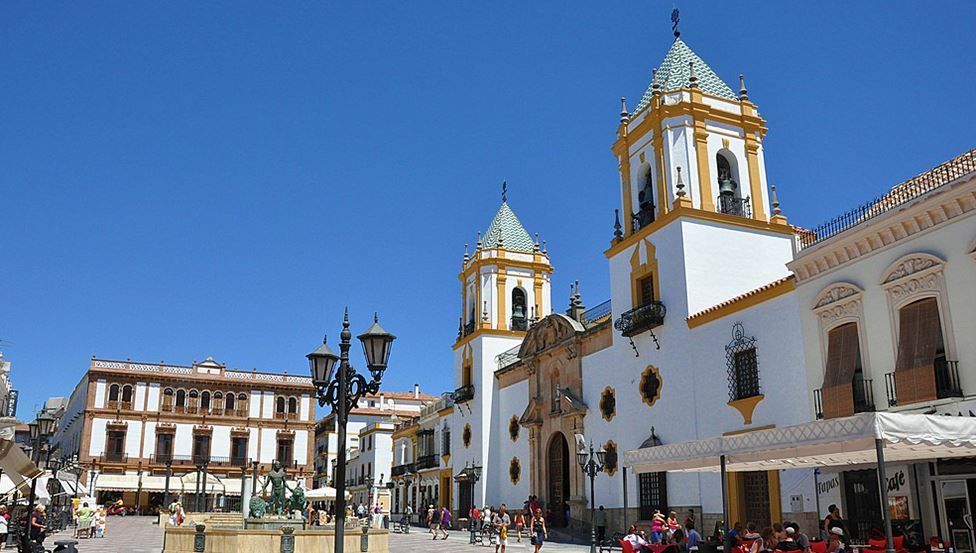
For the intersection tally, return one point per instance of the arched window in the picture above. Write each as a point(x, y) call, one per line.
point(180, 401)
point(205, 401)
point(280, 407)
point(730, 198)
point(520, 316)
point(113, 393)
point(241, 404)
point(127, 394)
point(229, 403)
point(218, 402)
point(645, 198)
point(194, 401)
point(292, 406)
point(167, 399)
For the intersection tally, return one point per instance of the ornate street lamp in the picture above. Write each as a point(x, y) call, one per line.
point(342, 390)
point(591, 464)
point(40, 429)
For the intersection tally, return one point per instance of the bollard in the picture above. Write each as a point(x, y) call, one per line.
point(364, 540)
point(287, 539)
point(200, 539)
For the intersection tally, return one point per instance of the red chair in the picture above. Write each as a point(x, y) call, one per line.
point(626, 547)
point(819, 546)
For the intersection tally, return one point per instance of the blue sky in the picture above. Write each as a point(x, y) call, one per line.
point(183, 179)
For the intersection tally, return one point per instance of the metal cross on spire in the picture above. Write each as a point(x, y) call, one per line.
point(504, 191)
point(675, 18)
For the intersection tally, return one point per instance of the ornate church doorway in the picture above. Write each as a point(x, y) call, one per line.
point(558, 466)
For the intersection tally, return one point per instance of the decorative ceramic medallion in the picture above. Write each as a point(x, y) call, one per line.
point(466, 435)
point(610, 459)
point(515, 470)
point(650, 385)
point(608, 404)
point(513, 428)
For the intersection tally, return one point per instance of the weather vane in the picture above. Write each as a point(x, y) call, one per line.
point(675, 18)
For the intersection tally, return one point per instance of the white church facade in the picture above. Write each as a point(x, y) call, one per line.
point(703, 337)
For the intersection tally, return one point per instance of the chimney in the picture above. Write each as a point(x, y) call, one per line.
point(382, 401)
point(416, 391)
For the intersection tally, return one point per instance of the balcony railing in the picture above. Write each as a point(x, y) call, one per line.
point(946, 374)
point(646, 317)
point(464, 393)
point(468, 328)
point(506, 358)
point(596, 313)
point(863, 397)
point(427, 462)
point(947, 378)
point(113, 457)
point(400, 470)
point(900, 194)
point(197, 460)
point(734, 206)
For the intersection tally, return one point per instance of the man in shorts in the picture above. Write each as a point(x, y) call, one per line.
point(501, 522)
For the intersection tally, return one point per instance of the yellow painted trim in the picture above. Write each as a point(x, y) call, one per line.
point(775, 503)
point(705, 199)
point(662, 177)
point(486, 332)
point(628, 202)
point(745, 302)
point(755, 184)
point(736, 499)
point(651, 369)
point(406, 432)
point(699, 215)
point(747, 430)
point(607, 445)
point(657, 112)
point(476, 264)
point(501, 321)
point(746, 407)
point(537, 294)
point(613, 393)
point(638, 271)
point(445, 411)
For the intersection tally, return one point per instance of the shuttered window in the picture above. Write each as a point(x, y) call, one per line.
point(843, 355)
point(919, 335)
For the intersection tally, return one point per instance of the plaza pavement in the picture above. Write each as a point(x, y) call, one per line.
point(419, 541)
point(139, 535)
point(123, 535)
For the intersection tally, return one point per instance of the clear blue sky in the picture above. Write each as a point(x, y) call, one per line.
point(183, 179)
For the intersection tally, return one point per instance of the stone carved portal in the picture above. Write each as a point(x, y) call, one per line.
point(558, 485)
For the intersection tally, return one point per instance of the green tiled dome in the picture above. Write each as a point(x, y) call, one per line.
point(674, 73)
point(514, 235)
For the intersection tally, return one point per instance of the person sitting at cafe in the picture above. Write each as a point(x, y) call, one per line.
point(637, 541)
point(836, 543)
point(788, 544)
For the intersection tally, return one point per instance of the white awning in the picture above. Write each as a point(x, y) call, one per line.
point(847, 441)
point(325, 493)
point(177, 484)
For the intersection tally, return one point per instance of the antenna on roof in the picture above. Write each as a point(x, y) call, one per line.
point(504, 191)
point(675, 18)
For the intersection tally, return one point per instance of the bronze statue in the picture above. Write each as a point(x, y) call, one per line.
point(278, 480)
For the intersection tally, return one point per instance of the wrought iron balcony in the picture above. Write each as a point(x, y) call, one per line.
point(427, 462)
point(113, 457)
point(400, 470)
point(946, 374)
point(861, 389)
point(464, 393)
point(947, 378)
point(468, 328)
point(734, 206)
point(646, 317)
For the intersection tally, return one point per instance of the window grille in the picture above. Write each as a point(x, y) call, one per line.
point(743, 365)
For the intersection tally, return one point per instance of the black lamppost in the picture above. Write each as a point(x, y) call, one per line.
point(40, 429)
point(344, 391)
point(591, 464)
point(474, 474)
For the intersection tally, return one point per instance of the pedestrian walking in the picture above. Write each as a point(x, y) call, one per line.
point(539, 531)
point(520, 524)
point(501, 521)
point(445, 521)
point(600, 521)
point(435, 521)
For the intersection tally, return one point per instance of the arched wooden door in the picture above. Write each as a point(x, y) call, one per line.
point(558, 476)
